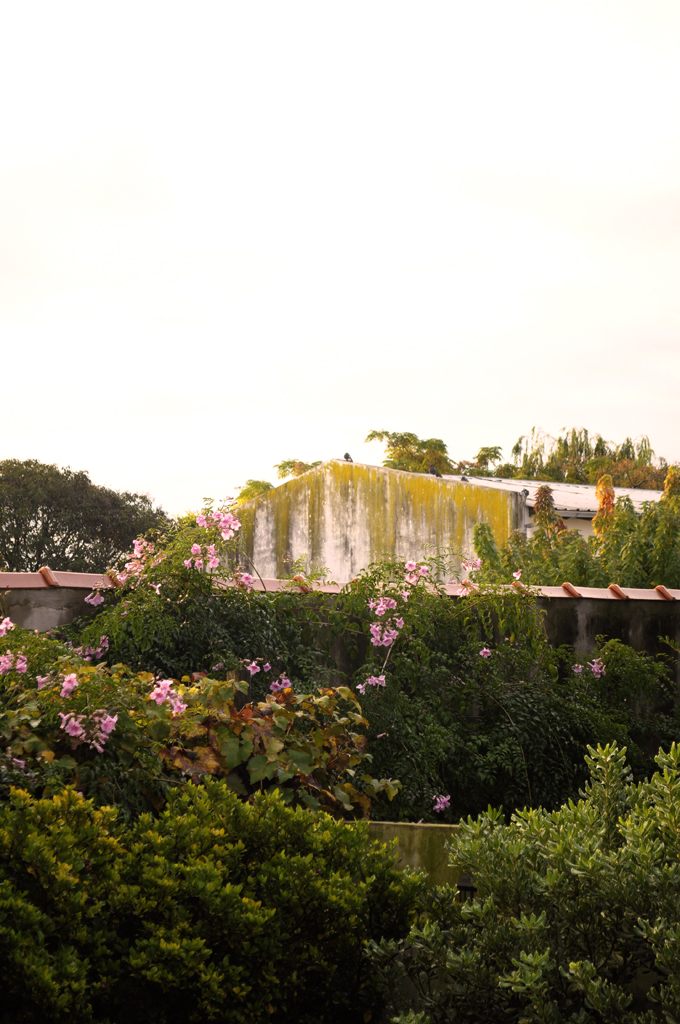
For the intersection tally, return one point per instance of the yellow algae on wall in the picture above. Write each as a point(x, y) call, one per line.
point(344, 515)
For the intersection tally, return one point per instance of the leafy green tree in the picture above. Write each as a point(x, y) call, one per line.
point(408, 452)
point(577, 456)
point(58, 517)
point(629, 548)
point(294, 467)
point(252, 489)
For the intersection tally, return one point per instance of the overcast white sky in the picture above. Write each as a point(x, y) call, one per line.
point(232, 232)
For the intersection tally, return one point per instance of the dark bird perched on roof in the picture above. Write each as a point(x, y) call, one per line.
point(348, 457)
point(433, 471)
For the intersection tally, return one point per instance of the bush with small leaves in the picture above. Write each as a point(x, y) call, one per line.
point(217, 910)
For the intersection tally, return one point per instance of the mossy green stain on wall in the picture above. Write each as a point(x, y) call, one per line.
point(345, 515)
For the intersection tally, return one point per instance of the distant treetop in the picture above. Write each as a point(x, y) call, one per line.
point(58, 517)
point(576, 456)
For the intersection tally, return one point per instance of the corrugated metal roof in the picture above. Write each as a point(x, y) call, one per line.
point(570, 498)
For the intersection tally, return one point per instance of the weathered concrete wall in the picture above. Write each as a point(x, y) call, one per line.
point(420, 846)
point(345, 515)
point(638, 623)
point(44, 609)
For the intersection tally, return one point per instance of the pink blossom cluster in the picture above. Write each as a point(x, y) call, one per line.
point(142, 559)
point(384, 634)
point(253, 666)
point(414, 572)
point(597, 667)
point(89, 652)
point(244, 580)
point(9, 661)
point(164, 691)
point(385, 604)
point(485, 652)
point(282, 683)
point(94, 599)
point(69, 684)
point(200, 558)
point(441, 803)
point(226, 522)
point(6, 625)
point(94, 730)
point(371, 681)
point(469, 565)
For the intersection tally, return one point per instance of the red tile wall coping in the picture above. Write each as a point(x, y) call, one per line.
point(47, 578)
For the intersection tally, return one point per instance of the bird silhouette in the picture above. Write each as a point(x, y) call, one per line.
point(348, 457)
point(433, 471)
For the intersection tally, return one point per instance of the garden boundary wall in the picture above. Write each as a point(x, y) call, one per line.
point(420, 846)
point(574, 616)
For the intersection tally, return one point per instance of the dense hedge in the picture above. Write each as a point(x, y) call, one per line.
point(576, 915)
point(217, 910)
point(466, 700)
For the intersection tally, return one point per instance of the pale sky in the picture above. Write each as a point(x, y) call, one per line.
point(233, 233)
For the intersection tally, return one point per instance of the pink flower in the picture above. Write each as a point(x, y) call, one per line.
point(156, 587)
point(107, 723)
point(104, 640)
point(6, 662)
point(423, 570)
point(399, 623)
point(201, 520)
point(161, 690)
point(213, 562)
point(517, 574)
point(252, 668)
point(195, 549)
point(94, 599)
point(187, 562)
point(485, 652)
point(6, 625)
point(267, 667)
point(42, 681)
point(405, 595)
point(69, 684)
point(198, 563)
point(411, 578)
point(597, 667)
point(177, 706)
point(211, 550)
point(72, 725)
point(441, 803)
point(371, 681)
point(411, 566)
point(21, 663)
point(282, 683)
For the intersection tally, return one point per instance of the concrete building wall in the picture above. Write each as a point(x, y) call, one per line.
point(345, 515)
point(44, 609)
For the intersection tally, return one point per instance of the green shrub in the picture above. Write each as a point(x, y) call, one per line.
point(217, 910)
point(312, 746)
point(478, 706)
point(576, 918)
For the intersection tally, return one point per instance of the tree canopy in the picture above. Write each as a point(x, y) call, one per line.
point(406, 451)
point(576, 456)
point(58, 517)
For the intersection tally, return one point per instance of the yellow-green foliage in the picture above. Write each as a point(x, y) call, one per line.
point(218, 910)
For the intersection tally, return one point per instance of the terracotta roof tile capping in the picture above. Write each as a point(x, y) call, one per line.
point(47, 578)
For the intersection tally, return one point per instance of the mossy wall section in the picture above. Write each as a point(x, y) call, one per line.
point(420, 846)
point(345, 515)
